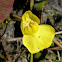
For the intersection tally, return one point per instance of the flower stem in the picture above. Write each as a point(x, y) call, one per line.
point(31, 60)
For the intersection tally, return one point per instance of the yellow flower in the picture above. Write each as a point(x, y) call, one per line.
point(36, 37)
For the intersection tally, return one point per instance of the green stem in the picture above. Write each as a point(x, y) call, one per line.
point(59, 36)
point(61, 56)
point(31, 60)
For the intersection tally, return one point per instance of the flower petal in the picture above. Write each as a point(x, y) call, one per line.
point(31, 16)
point(40, 40)
point(29, 23)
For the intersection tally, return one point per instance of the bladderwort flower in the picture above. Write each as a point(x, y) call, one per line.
point(35, 37)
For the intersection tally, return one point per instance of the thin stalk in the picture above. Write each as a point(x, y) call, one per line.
point(61, 56)
point(31, 4)
point(31, 60)
point(56, 42)
point(16, 16)
point(60, 32)
point(58, 55)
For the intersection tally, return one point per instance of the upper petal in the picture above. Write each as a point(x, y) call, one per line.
point(29, 14)
point(29, 23)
